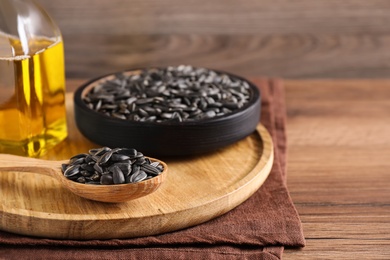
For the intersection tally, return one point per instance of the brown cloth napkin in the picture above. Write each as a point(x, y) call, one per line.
point(259, 228)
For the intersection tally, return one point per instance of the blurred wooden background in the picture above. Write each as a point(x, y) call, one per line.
point(281, 38)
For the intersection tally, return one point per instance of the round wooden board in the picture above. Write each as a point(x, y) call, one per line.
point(196, 190)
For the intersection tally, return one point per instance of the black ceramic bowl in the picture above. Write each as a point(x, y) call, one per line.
point(166, 138)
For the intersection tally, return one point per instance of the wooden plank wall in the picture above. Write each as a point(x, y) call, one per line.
point(281, 38)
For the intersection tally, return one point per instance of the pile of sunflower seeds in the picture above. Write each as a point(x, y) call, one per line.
point(111, 166)
point(178, 94)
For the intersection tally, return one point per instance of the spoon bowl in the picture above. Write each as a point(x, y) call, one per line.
point(103, 193)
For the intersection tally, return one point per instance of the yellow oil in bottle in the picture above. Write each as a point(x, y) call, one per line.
point(32, 96)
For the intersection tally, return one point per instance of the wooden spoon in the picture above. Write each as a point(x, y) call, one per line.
point(104, 193)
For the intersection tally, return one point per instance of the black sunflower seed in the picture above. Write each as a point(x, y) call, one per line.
point(150, 169)
point(72, 170)
point(117, 175)
point(140, 176)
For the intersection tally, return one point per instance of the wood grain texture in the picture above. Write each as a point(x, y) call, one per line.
point(338, 167)
point(119, 17)
point(196, 190)
point(289, 39)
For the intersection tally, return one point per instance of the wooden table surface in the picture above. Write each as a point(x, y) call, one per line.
point(290, 39)
point(338, 166)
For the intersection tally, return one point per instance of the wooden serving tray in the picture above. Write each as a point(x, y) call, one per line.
point(196, 190)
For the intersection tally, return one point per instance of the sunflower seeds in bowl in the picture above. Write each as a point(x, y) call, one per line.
point(168, 111)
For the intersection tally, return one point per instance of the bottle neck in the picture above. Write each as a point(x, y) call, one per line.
point(22, 25)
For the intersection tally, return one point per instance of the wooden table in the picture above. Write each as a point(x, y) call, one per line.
point(338, 166)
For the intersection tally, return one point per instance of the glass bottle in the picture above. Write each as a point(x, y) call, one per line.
point(32, 80)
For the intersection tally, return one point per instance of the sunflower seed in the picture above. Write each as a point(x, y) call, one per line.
point(140, 176)
point(72, 170)
point(119, 157)
point(88, 167)
point(117, 175)
point(150, 169)
point(106, 179)
point(105, 157)
point(98, 168)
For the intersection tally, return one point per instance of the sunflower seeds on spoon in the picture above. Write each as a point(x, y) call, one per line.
point(107, 166)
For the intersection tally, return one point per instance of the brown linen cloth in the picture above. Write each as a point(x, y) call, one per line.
point(257, 229)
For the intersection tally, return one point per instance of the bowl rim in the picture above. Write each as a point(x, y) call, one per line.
point(255, 96)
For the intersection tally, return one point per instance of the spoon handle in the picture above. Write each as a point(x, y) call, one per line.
point(25, 164)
